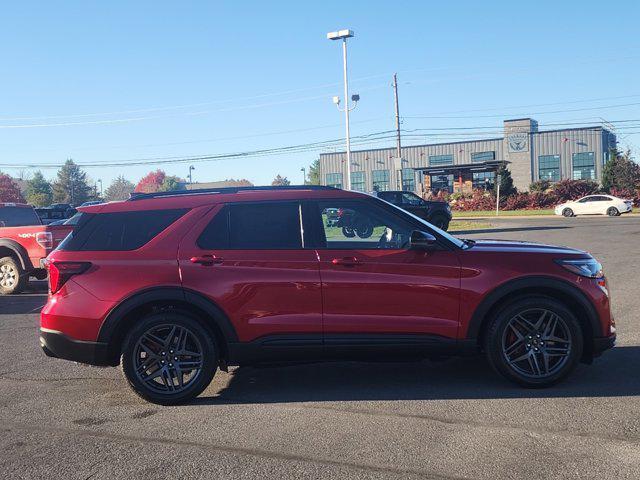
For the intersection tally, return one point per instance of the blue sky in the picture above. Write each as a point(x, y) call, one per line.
point(122, 81)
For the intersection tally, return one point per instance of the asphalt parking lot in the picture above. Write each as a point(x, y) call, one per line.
point(443, 420)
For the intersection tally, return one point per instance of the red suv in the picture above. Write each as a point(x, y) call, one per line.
point(174, 285)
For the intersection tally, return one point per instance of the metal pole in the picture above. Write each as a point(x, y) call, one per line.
point(304, 175)
point(498, 180)
point(395, 95)
point(347, 181)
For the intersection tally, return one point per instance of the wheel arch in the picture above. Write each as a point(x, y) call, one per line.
point(120, 319)
point(554, 288)
point(11, 248)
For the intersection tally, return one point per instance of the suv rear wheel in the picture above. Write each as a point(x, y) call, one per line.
point(440, 221)
point(12, 278)
point(534, 342)
point(169, 358)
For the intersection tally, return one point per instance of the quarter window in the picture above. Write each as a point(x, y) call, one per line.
point(584, 166)
point(380, 180)
point(549, 167)
point(267, 226)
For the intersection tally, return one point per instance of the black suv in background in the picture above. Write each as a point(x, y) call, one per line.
point(435, 212)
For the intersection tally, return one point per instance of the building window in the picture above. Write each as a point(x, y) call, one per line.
point(380, 180)
point(549, 167)
point(408, 179)
point(438, 160)
point(334, 180)
point(442, 182)
point(485, 180)
point(584, 166)
point(358, 181)
point(479, 157)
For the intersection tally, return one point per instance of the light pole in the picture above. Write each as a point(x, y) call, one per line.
point(191, 168)
point(343, 35)
point(304, 175)
point(100, 182)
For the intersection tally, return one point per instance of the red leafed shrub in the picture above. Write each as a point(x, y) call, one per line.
point(565, 190)
point(152, 182)
point(478, 200)
point(517, 201)
point(9, 191)
point(627, 194)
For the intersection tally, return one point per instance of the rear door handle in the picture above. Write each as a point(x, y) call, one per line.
point(207, 260)
point(346, 261)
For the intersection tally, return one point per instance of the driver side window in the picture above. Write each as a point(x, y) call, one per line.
point(358, 225)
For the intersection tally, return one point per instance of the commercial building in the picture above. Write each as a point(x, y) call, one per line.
point(530, 155)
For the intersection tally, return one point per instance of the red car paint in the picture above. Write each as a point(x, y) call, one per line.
point(441, 293)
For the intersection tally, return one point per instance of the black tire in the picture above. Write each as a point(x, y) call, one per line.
point(364, 229)
point(613, 212)
point(440, 221)
point(567, 212)
point(499, 330)
point(13, 279)
point(348, 232)
point(159, 392)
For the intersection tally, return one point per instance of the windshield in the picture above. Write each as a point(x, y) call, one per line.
point(456, 241)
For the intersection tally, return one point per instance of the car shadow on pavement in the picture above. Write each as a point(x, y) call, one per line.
point(504, 230)
point(456, 378)
point(28, 302)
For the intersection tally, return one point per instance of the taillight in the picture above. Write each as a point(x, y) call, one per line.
point(45, 240)
point(60, 272)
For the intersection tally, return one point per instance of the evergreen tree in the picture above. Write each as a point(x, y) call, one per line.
point(280, 181)
point(71, 185)
point(506, 182)
point(620, 172)
point(119, 189)
point(172, 182)
point(314, 173)
point(39, 192)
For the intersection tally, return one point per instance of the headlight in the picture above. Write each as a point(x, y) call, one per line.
point(585, 267)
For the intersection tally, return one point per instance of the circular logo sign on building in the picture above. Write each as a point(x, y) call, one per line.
point(518, 142)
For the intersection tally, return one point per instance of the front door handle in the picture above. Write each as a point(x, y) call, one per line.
point(346, 261)
point(207, 260)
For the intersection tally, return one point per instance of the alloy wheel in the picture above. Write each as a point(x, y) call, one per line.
point(536, 343)
point(8, 276)
point(168, 358)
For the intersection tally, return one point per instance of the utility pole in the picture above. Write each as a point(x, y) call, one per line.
point(395, 96)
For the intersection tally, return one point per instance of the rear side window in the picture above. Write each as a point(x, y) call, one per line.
point(270, 226)
point(18, 217)
point(119, 231)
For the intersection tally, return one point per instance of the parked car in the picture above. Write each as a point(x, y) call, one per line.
point(599, 204)
point(24, 244)
point(58, 212)
point(174, 285)
point(435, 212)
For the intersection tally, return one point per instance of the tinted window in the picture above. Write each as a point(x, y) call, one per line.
point(411, 199)
point(18, 216)
point(120, 230)
point(270, 226)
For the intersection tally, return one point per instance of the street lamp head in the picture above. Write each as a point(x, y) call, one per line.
point(336, 100)
point(355, 97)
point(340, 35)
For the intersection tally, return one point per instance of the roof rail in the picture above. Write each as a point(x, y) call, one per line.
point(203, 191)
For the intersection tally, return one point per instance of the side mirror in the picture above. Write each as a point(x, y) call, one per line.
point(422, 240)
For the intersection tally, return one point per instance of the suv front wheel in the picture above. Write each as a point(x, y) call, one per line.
point(169, 358)
point(535, 342)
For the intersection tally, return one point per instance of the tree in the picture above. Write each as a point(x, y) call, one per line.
point(620, 172)
point(314, 173)
point(38, 191)
point(506, 182)
point(71, 185)
point(172, 183)
point(119, 189)
point(152, 182)
point(280, 181)
point(9, 190)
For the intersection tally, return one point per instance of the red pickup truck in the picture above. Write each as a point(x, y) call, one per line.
point(24, 244)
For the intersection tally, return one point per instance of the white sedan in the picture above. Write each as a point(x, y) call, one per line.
point(595, 205)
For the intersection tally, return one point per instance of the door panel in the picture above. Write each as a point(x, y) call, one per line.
point(373, 283)
point(390, 291)
point(263, 292)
